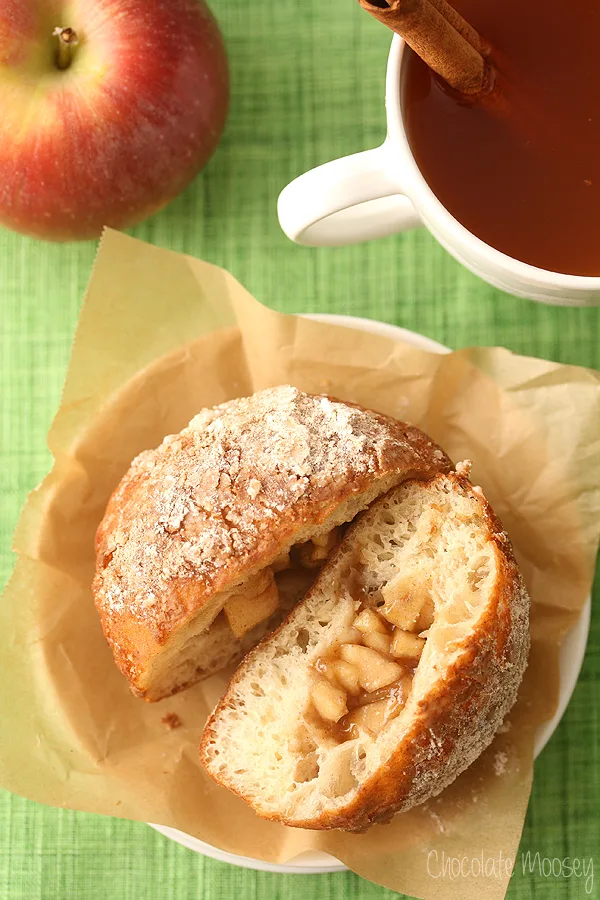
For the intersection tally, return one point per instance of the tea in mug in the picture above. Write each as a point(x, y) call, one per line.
point(522, 174)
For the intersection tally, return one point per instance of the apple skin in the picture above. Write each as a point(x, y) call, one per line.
point(121, 131)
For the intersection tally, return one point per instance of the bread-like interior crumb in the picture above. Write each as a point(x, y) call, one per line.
point(321, 705)
point(223, 638)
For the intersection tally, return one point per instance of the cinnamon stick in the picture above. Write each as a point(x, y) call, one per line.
point(461, 25)
point(441, 37)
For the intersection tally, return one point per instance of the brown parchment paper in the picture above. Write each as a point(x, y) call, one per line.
point(162, 335)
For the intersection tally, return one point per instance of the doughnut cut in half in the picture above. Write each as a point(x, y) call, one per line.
point(211, 535)
point(390, 677)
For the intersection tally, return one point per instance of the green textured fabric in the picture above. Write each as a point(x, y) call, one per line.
point(307, 83)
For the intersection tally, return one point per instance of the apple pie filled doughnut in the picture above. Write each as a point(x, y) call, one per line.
point(390, 677)
point(210, 537)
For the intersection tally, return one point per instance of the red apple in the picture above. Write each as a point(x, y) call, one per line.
point(113, 126)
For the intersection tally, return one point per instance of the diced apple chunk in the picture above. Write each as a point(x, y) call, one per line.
point(368, 621)
point(329, 701)
point(374, 671)
point(426, 617)
point(372, 717)
point(252, 603)
point(347, 675)
point(327, 668)
point(406, 645)
point(377, 641)
point(404, 601)
point(314, 552)
point(347, 635)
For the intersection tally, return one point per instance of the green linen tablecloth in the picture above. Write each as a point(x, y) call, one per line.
point(307, 82)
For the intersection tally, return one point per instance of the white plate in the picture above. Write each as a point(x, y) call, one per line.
point(571, 659)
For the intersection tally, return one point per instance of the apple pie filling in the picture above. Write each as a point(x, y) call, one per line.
point(364, 681)
point(258, 598)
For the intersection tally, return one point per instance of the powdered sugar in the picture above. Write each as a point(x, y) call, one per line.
point(229, 483)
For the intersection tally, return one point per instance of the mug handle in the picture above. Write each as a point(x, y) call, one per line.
point(345, 201)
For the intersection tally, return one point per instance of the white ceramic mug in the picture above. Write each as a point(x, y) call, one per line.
point(380, 192)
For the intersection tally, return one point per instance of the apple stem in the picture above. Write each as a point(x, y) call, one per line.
point(67, 41)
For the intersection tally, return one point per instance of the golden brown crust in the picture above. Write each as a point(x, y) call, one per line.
point(218, 501)
point(454, 722)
